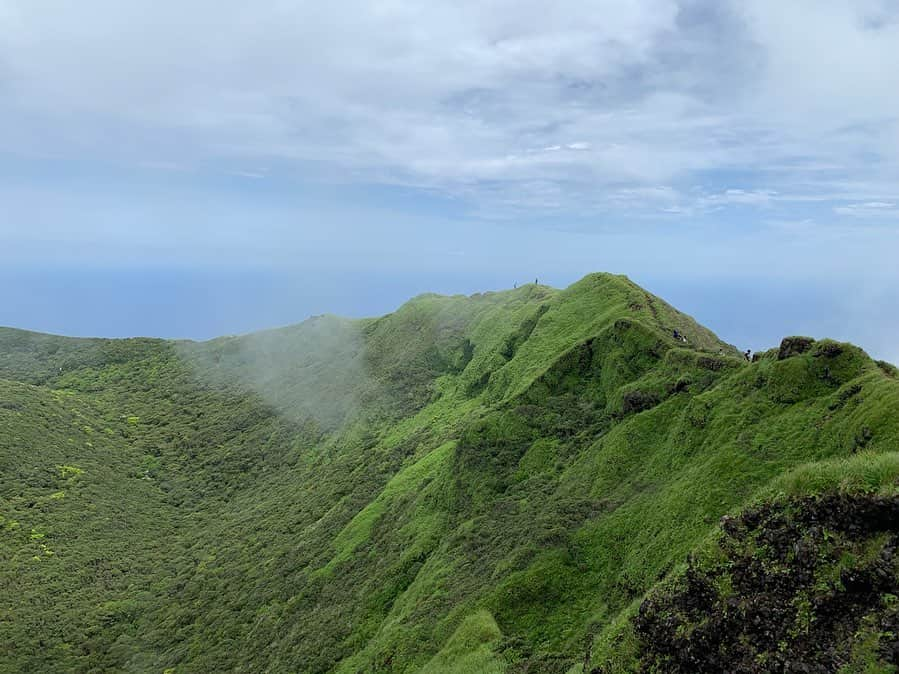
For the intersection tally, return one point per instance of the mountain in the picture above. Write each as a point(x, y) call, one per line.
point(533, 480)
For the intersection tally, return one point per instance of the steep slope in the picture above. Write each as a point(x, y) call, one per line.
point(805, 582)
point(485, 483)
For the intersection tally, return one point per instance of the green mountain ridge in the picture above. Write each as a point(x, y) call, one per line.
point(530, 480)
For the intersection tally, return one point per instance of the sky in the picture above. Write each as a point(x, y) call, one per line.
point(193, 169)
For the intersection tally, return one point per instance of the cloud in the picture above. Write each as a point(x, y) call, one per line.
point(507, 105)
point(740, 197)
point(253, 175)
point(869, 209)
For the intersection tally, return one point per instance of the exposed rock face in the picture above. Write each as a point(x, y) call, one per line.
point(794, 346)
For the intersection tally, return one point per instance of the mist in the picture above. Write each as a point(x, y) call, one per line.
point(311, 371)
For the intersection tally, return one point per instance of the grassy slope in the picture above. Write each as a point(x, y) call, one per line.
point(482, 483)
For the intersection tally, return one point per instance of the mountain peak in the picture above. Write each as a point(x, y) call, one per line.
point(500, 482)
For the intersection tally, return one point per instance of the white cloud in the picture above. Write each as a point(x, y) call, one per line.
point(741, 197)
point(254, 175)
point(868, 209)
point(456, 96)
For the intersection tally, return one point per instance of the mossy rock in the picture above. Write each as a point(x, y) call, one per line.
point(794, 346)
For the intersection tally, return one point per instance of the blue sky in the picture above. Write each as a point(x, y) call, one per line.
point(213, 167)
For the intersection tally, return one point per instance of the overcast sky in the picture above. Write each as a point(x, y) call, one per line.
point(183, 168)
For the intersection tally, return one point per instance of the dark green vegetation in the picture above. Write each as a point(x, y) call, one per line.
point(808, 584)
point(508, 482)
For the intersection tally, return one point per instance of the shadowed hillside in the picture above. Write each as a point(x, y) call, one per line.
point(507, 482)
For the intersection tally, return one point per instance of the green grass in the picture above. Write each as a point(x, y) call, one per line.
point(409, 479)
point(472, 484)
point(868, 472)
point(470, 650)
